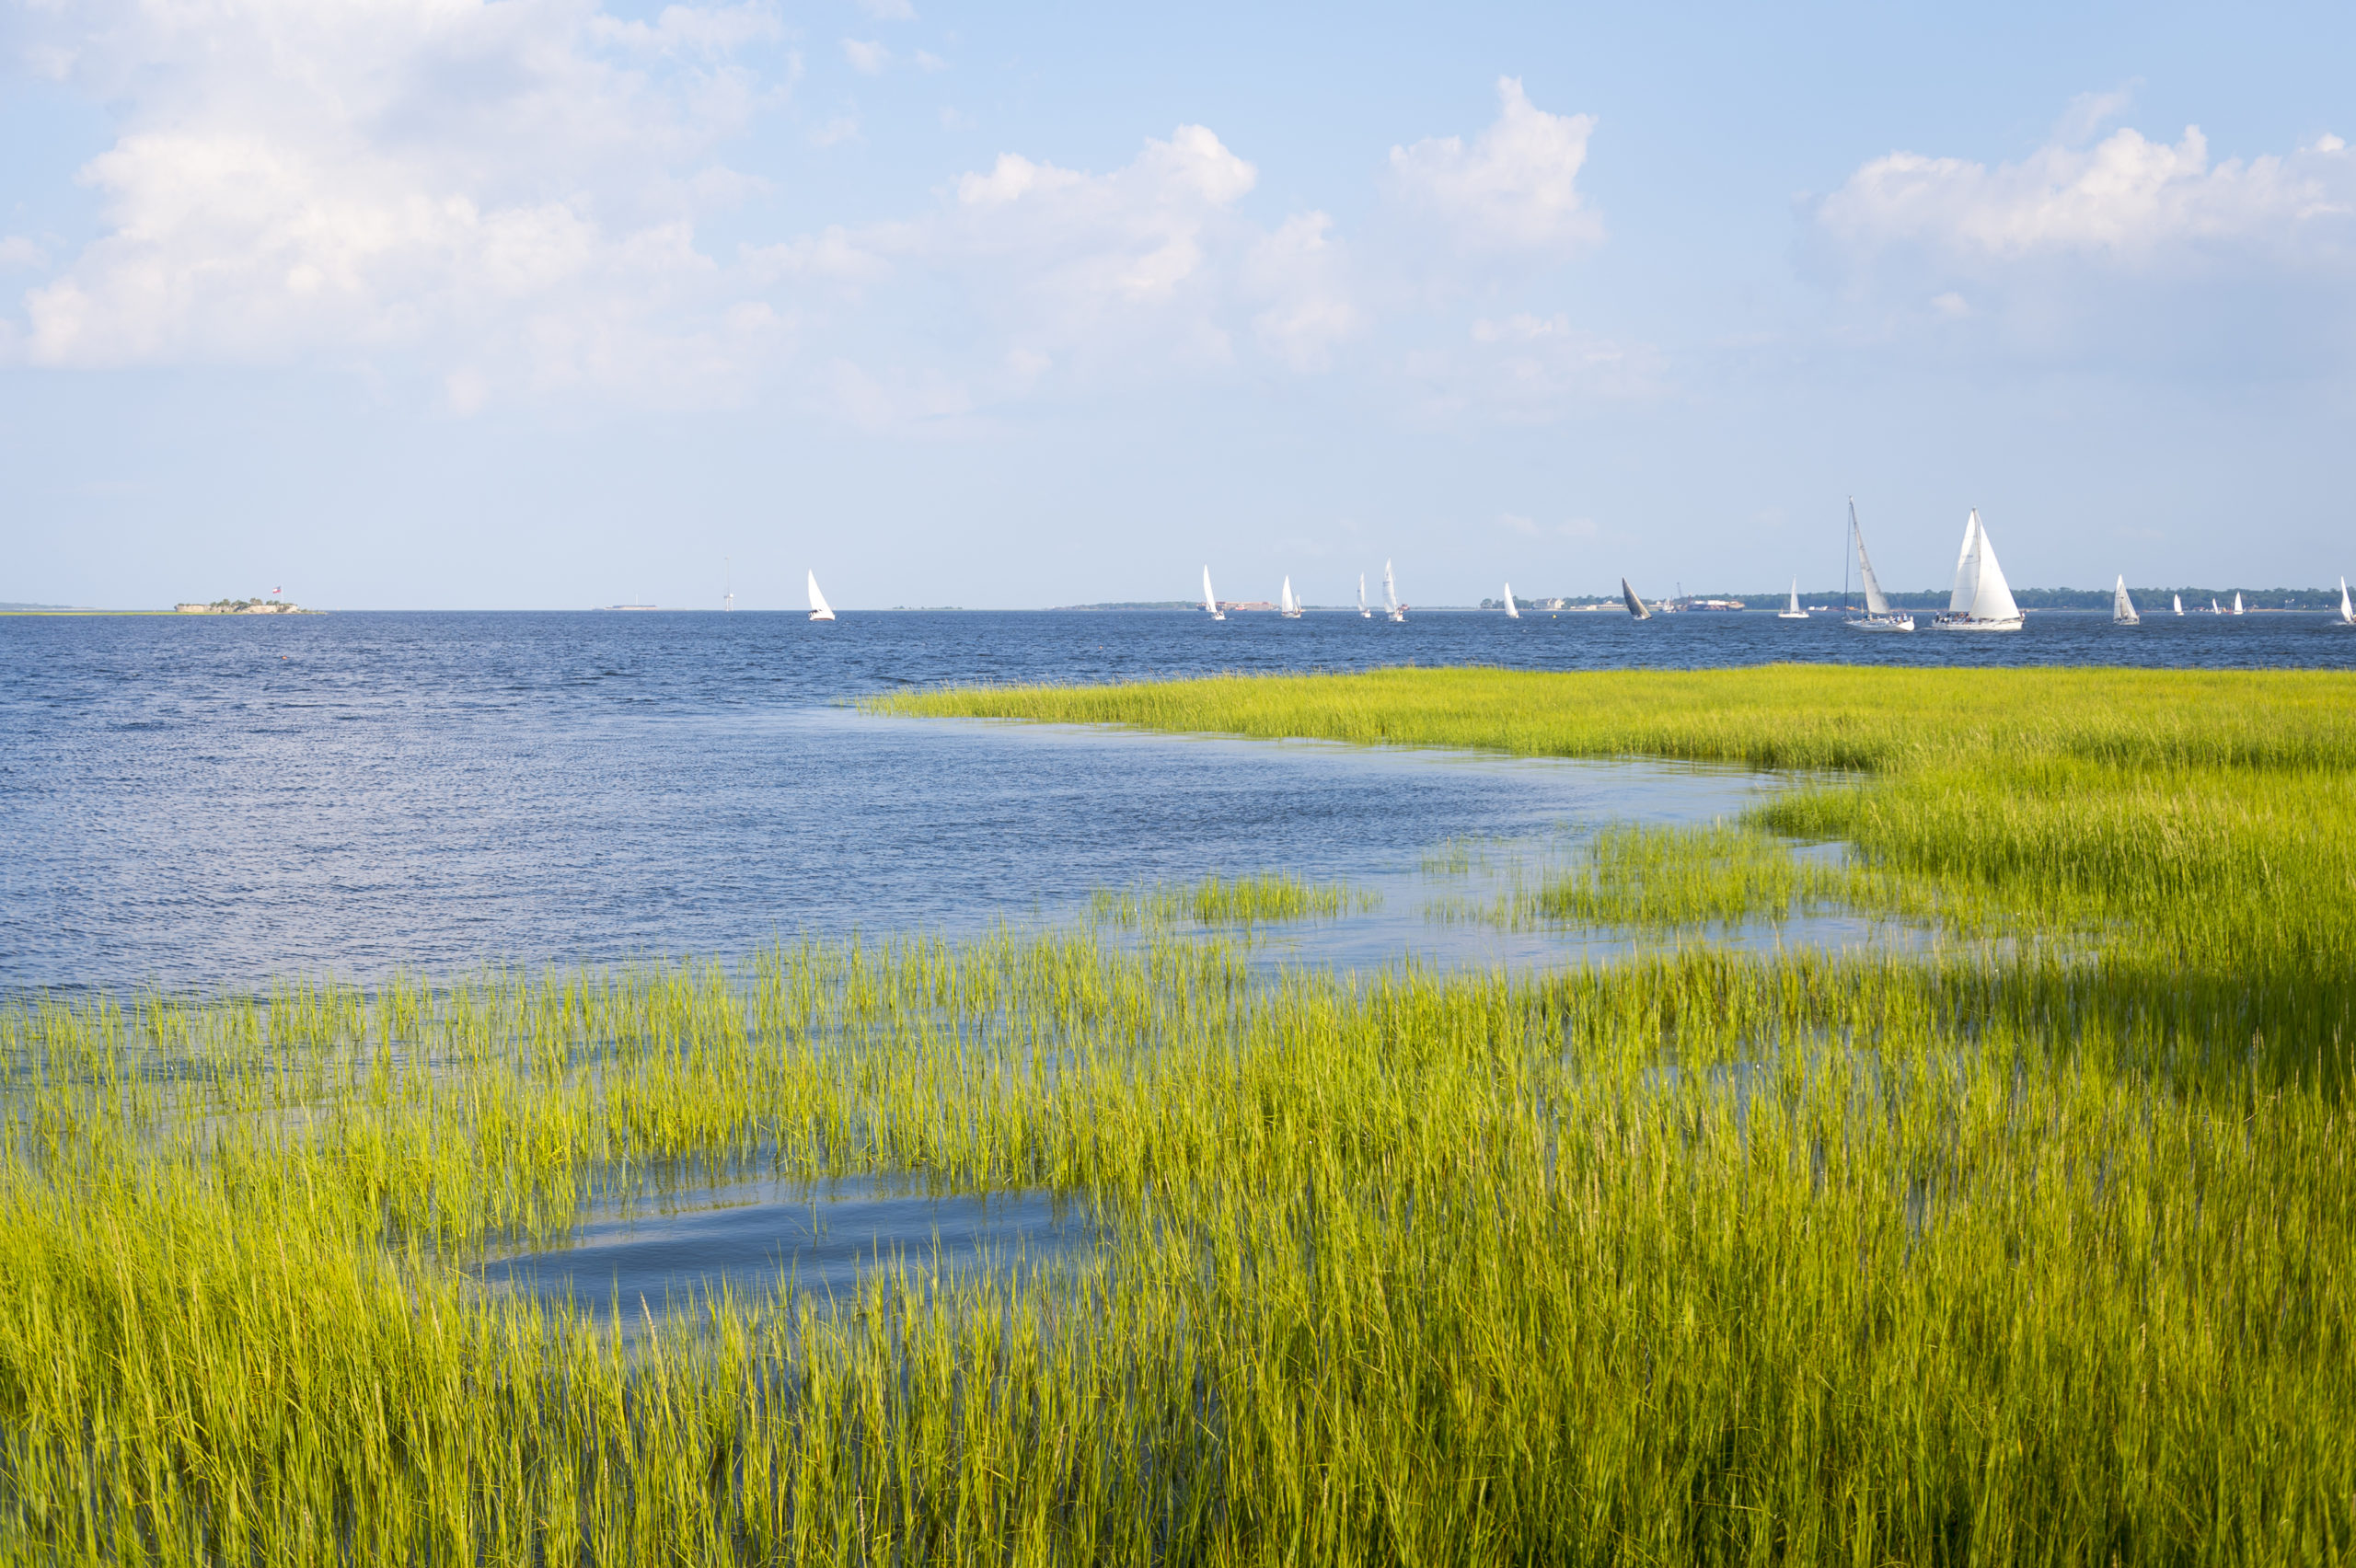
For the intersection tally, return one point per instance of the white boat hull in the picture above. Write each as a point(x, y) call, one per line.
point(1970, 623)
point(1791, 614)
point(1890, 623)
point(822, 614)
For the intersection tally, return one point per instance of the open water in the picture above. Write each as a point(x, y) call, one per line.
point(209, 802)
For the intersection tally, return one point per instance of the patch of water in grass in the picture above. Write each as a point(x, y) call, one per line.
point(650, 1261)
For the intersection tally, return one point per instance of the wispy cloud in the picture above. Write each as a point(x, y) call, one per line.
point(1529, 369)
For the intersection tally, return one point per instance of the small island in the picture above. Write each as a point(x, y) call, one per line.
point(245, 607)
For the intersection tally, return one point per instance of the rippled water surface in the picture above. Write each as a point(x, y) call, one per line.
point(212, 802)
point(654, 1259)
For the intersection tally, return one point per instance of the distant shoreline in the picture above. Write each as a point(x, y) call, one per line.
point(1609, 607)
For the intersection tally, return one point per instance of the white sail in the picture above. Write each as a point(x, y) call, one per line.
point(1876, 601)
point(1793, 607)
point(2123, 609)
point(1390, 595)
point(1966, 591)
point(2212, 605)
point(1284, 601)
point(1635, 605)
point(2346, 611)
point(1210, 600)
point(2179, 602)
point(819, 608)
point(2237, 603)
point(1992, 597)
point(1511, 613)
point(1981, 599)
point(1364, 613)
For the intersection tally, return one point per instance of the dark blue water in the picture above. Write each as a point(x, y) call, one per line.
point(209, 803)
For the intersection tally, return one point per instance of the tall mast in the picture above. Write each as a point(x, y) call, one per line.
point(1844, 558)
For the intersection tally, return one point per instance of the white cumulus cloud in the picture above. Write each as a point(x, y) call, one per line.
point(1069, 258)
point(1127, 273)
point(517, 179)
point(1514, 189)
point(2126, 200)
point(2122, 251)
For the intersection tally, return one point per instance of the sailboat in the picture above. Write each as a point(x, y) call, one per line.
point(1397, 611)
point(2179, 602)
point(1792, 612)
point(2237, 602)
point(1981, 599)
point(2123, 609)
point(1635, 605)
point(2347, 610)
point(1286, 605)
point(819, 608)
point(1878, 615)
point(1210, 600)
point(1511, 613)
point(1364, 614)
point(2212, 605)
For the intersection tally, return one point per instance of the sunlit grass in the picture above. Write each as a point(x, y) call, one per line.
point(2202, 824)
point(1255, 898)
point(1694, 1258)
point(2013, 1253)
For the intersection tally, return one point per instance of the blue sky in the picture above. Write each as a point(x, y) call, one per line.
point(540, 303)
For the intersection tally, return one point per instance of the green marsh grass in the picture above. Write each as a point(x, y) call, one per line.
point(2197, 826)
point(1706, 1256)
point(1255, 898)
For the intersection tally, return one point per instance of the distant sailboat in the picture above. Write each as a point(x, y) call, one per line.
point(1635, 605)
point(2346, 611)
point(819, 608)
point(1981, 599)
point(2212, 605)
point(1878, 615)
point(1792, 612)
point(1511, 613)
point(1390, 604)
point(2237, 603)
point(1286, 605)
point(1364, 614)
point(1210, 600)
point(2179, 602)
point(2123, 609)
